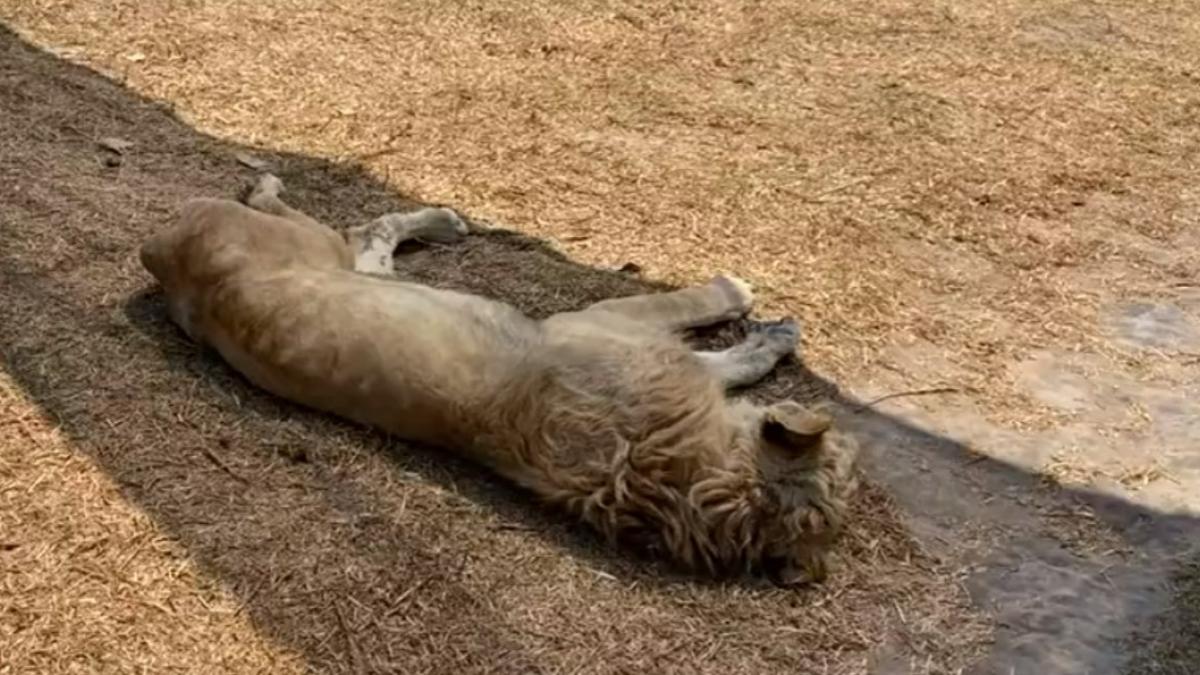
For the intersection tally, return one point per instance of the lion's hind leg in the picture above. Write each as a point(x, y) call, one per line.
point(373, 244)
point(722, 299)
point(265, 197)
point(750, 361)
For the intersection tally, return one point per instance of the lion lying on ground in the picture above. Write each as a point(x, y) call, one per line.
point(604, 412)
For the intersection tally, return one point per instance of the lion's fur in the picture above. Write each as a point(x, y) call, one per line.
point(600, 412)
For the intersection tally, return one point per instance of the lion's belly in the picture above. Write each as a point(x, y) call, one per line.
point(415, 361)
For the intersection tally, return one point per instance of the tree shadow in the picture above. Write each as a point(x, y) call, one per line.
point(245, 480)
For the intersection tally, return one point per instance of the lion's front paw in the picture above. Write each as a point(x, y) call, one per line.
point(461, 228)
point(737, 291)
point(269, 185)
point(440, 225)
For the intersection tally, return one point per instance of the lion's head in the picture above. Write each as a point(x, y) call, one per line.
point(779, 507)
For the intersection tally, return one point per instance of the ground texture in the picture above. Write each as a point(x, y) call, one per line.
point(994, 203)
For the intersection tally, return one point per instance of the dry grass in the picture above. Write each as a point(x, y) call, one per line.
point(89, 583)
point(1172, 645)
point(964, 173)
point(353, 553)
point(979, 176)
point(1072, 468)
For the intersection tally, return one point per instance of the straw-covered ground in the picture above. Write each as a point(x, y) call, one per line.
point(976, 181)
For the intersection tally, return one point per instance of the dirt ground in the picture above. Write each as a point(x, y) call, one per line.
point(992, 203)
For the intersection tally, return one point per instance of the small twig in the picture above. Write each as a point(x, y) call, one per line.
point(913, 392)
point(355, 654)
point(368, 156)
point(819, 197)
point(212, 457)
point(511, 527)
point(900, 613)
point(976, 459)
point(842, 188)
point(398, 604)
point(246, 601)
point(1189, 358)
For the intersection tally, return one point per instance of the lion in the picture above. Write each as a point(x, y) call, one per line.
point(604, 412)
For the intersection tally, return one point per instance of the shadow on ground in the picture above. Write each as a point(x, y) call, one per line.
point(287, 507)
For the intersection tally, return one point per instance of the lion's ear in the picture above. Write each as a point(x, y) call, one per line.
point(794, 427)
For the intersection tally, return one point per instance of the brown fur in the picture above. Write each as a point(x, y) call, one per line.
point(604, 412)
